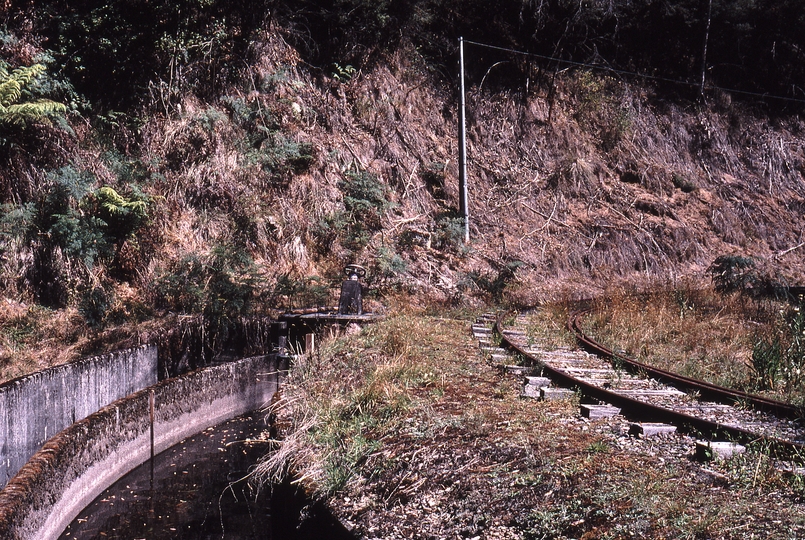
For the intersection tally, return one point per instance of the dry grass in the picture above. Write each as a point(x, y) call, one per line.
point(340, 402)
point(407, 432)
point(33, 338)
point(694, 332)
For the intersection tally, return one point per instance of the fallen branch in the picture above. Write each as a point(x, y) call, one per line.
point(789, 250)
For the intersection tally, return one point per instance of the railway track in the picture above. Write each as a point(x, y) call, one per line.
point(656, 400)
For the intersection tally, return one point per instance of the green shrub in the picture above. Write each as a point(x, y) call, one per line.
point(61, 233)
point(182, 287)
point(767, 359)
point(222, 286)
point(388, 263)
point(365, 204)
point(433, 174)
point(17, 107)
point(294, 292)
point(495, 285)
point(80, 237)
point(599, 109)
point(209, 118)
point(682, 183)
point(733, 273)
point(328, 229)
point(364, 194)
point(793, 369)
point(94, 305)
point(343, 74)
point(86, 223)
point(121, 216)
point(280, 156)
point(449, 232)
point(129, 171)
point(251, 115)
point(265, 144)
point(782, 357)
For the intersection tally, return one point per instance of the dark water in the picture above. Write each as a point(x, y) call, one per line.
point(197, 490)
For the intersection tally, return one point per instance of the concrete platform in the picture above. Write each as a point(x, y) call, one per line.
point(552, 394)
point(327, 317)
point(533, 392)
point(533, 387)
point(539, 382)
point(595, 371)
point(664, 392)
point(518, 370)
point(518, 333)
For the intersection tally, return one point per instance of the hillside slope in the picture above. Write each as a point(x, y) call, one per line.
point(258, 191)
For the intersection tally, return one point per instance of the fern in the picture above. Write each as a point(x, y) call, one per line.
point(114, 204)
point(12, 86)
point(122, 216)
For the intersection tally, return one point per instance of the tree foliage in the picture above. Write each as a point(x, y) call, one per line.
point(70, 228)
point(13, 108)
point(120, 53)
point(754, 45)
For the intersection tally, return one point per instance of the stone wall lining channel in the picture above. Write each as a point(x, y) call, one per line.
point(35, 407)
point(80, 462)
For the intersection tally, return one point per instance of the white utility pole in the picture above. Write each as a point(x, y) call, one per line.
point(463, 203)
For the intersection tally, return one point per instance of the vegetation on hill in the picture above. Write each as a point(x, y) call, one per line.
point(191, 164)
point(206, 160)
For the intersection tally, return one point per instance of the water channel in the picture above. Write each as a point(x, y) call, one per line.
point(198, 490)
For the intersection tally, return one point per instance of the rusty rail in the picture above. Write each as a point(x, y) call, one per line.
point(649, 412)
point(709, 391)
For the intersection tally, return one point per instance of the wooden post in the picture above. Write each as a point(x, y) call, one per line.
point(151, 416)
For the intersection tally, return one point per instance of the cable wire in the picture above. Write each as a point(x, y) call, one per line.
point(630, 73)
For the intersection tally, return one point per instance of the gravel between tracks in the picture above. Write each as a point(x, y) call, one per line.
point(483, 462)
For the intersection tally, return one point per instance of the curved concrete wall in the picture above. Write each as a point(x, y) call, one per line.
point(36, 407)
point(76, 465)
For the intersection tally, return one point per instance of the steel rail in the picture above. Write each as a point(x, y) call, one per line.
point(711, 392)
point(641, 410)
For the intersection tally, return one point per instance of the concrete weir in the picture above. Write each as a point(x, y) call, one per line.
point(77, 464)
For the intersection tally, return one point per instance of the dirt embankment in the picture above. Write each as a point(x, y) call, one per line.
point(578, 180)
point(581, 179)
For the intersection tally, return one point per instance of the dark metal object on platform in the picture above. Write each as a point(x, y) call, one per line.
point(302, 323)
point(279, 344)
point(351, 301)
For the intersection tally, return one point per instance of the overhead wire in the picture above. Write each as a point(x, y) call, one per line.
point(630, 73)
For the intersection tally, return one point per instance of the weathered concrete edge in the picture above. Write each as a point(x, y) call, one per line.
point(76, 465)
point(36, 406)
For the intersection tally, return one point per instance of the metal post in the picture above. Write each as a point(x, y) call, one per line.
point(464, 207)
point(704, 47)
